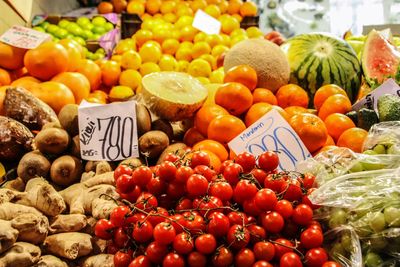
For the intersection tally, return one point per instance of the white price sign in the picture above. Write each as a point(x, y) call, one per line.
point(370, 101)
point(272, 133)
point(205, 23)
point(108, 132)
point(23, 37)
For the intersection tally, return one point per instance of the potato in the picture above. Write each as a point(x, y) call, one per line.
point(52, 141)
point(33, 164)
point(152, 143)
point(23, 106)
point(15, 139)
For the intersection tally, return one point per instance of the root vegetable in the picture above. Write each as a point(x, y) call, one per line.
point(9, 211)
point(50, 261)
point(98, 167)
point(7, 195)
point(67, 223)
point(66, 170)
point(69, 245)
point(91, 223)
point(21, 254)
point(52, 141)
point(132, 162)
point(8, 235)
point(32, 228)
point(102, 208)
point(16, 185)
point(152, 143)
point(99, 245)
point(104, 260)
point(105, 178)
point(33, 164)
point(87, 175)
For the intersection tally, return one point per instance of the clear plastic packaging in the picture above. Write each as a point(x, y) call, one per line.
point(385, 133)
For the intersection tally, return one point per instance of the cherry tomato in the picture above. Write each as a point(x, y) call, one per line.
point(164, 233)
point(316, 257)
point(194, 222)
point(223, 257)
point(246, 160)
point(175, 190)
point(265, 199)
point(268, 161)
point(118, 215)
point(264, 250)
point(244, 190)
point(172, 157)
point(103, 229)
point(311, 238)
point(232, 172)
point(291, 229)
point(142, 231)
point(167, 171)
point(141, 261)
point(290, 259)
point(250, 207)
point(184, 204)
point(112, 248)
point(146, 201)
point(284, 208)
point(280, 250)
point(122, 169)
point(308, 180)
point(272, 222)
point(218, 224)
point(125, 183)
point(245, 258)
point(238, 236)
point(260, 175)
point(173, 260)
point(275, 182)
point(183, 173)
point(132, 195)
point(177, 221)
point(156, 252)
point(222, 190)
point(142, 175)
point(157, 215)
point(302, 215)
point(200, 158)
point(196, 259)
point(122, 259)
point(205, 244)
point(262, 264)
point(237, 217)
point(197, 185)
point(257, 233)
point(183, 243)
point(156, 186)
point(293, 191)
point(331, 264)
point(205, 171)
point(224, 164)
point(120, 238)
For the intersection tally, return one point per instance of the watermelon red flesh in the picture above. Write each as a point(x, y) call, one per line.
point(380, 59)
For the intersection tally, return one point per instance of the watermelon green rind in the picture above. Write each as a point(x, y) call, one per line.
point(317, 59)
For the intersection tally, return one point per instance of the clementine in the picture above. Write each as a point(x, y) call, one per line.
point(192, 136)
point(334, 104)
point(105, 7)
point(243, 74)
point(92, 72)
point(2, 96)
point(326, 91)
point(248, 9)
point(76, 82)
point(55, 94)
point(5, 78)
point(11, 57)
point(293, 110)
point(258, 110)
point(224, 128)
point(110, 72)
point(205, 115)
point(292, 95)
point(234, 97)
point(213, 146)
point(264, 95)
point(353, 138)
point(27, 82)
point(337, 123)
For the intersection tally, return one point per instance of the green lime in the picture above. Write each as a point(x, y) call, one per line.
point(96, 36)
point(83, 21)
point(97, 56)
point(84, 49)
point(100, 51)
point(55, 39)
point(99, 21)
point(99, 30)
point(52, 28)
point(69, 36)
point(80, 40)
point(108, 26)
point(89, 55)
point(39, 29)
point(61, 33)
point(87, 34)
point(88, 26)
point(44, 24)
point(63, 23)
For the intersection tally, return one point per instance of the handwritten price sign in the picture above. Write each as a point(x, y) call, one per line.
point(272, 133)
point(23, 37)
point(108, 132)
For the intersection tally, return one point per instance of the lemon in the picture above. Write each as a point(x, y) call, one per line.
point(170, 17)
point(203, 80)
point(117, 58)
point(213, 11)
point(183, 21)
point(199, 37)
point(160, 34)
point(148, 24)
point(183, 53)
point(149, 67)
point(186, 44)
point(168, 7)
point(238, 39)
point(168, 63)
point(226, 39)
point(237, 32)
point(125, 45)
point(254, 32)
point(142, 36)
point(131, 60)
point(213, 39)
point(175, 34)
point(2, 170)
point(229, 24)
point(200, 48)
point(182, 66)
point(170, 46)
point(210, 59)
point(199, 68)
point(120, 93)
point(150, 52)
point(217, 76)
point(219, 50)
point(130, 78)
point(212, 90)
point(187, 33)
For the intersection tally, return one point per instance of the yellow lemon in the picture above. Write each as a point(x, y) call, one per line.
point(254, 32)
point(150, 52)
point(170, 46)
point(212, 90)
point(210, 59)
point(175, 34)
point(203, 80)
point(237, 32)
point(213, 11)
point(131, 60)
point(229, 24)
point(238, 17)
point(117, 58)
point(199, 37)
point(200, 48)
point(217, 76)
point(238, 39)
point(183, 53)
point(170, 17)
point(213, 39)
point(130, 78)
point(149, 67)
point(160, 34)
point(226, 39)
point(219, 50)
point(142, 36)
point(168, 63)
point(199, 68)
point(135, 8)
point(125, 45)
point(183, 21)
point(186, 44)
point(168, 7)
point(120, 93)
point(184, 11)
point(223, 6)
point(187, 33)
point(198, 4)
point(182, 66)
point(148, 24)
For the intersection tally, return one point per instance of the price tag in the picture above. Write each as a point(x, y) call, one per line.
point(272, 133)
point(23, 37)
point(205, 23)
point(109, 40)
point(370, 101)
point(108, 132)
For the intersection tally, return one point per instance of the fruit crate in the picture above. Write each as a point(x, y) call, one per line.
point(248, 22)
point(130, 24)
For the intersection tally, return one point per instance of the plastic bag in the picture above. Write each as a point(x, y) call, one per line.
point(384, 133)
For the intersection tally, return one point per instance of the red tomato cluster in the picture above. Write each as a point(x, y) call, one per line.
point(183, 213)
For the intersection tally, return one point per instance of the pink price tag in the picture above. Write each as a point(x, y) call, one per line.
point(111, 17)
point(23, 37)
point(109, 40)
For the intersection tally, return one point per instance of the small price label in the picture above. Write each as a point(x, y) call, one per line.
point(23, 37)
point(108, 132)
point(370, 101)
point(205, 23)
point(272, 133)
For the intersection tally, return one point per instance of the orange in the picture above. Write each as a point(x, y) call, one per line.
point(205, 115)
point(243, 74)
point(5, 78)
point(76, 82)
point(215, 161)
point(311, 130)
point(46, 60)
point(234, 6)
point(55, 94)
point(105, 7)
point(326, 91)
point(2, 96)
point(98, 96)
point(153, 6)
point(135, 8)
point(337, 123)
point(232, 155)
point(92, 72)
point(142, 36)
point(334, 104)
point(291, 95)
point(234, 97)
point(258, 110)
point(264, 95)
point(11, 57)
point(248, 9)
point(213, 146)
point(329, 141)
point(192, 136)
point(18, 73)
point(74, 53)
point(130, 78)
point(224, 128)
point(110, 72)
point(293, 110)
point(168, 7)
point(27, 82)
point(353, 138)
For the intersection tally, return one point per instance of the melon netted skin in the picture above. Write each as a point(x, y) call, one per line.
point(173, 96)
point(265, 57)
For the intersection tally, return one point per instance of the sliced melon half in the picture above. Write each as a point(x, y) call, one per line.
point(174, 96)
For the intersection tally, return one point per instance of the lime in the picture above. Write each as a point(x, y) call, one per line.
point(88, 26)
point(61, 33)
point(96, 36)
point(87, 34)
point(39, 29)
point(69, 36)
point(100, 51)
point(52, 28)
point(99, 30)
point(83, 21)
point(63, 23)
point(89, 55)
point(55, 39)
point(99, 21)
point(44, 25)
point(108, 26)
point(80, 40)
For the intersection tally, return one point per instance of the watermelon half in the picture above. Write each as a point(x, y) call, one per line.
point(380, 59)
point(317, 59)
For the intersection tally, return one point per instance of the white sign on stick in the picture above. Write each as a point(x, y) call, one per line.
point(206, 23)
point(108, 132)
point(23, 37)
point(272, 133)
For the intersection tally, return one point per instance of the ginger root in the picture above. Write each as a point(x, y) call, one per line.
point(103, 260)
point(32, 228)
point(102, 208)
point(8, 235)
point(9, 211)
point(50, 261)
point(7, 195)
point(69, 245)
point(21, 254)
point(67, 223)
point(98, 179)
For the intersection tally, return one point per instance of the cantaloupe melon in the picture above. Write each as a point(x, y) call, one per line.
point(174, 96)
point(265, 57)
